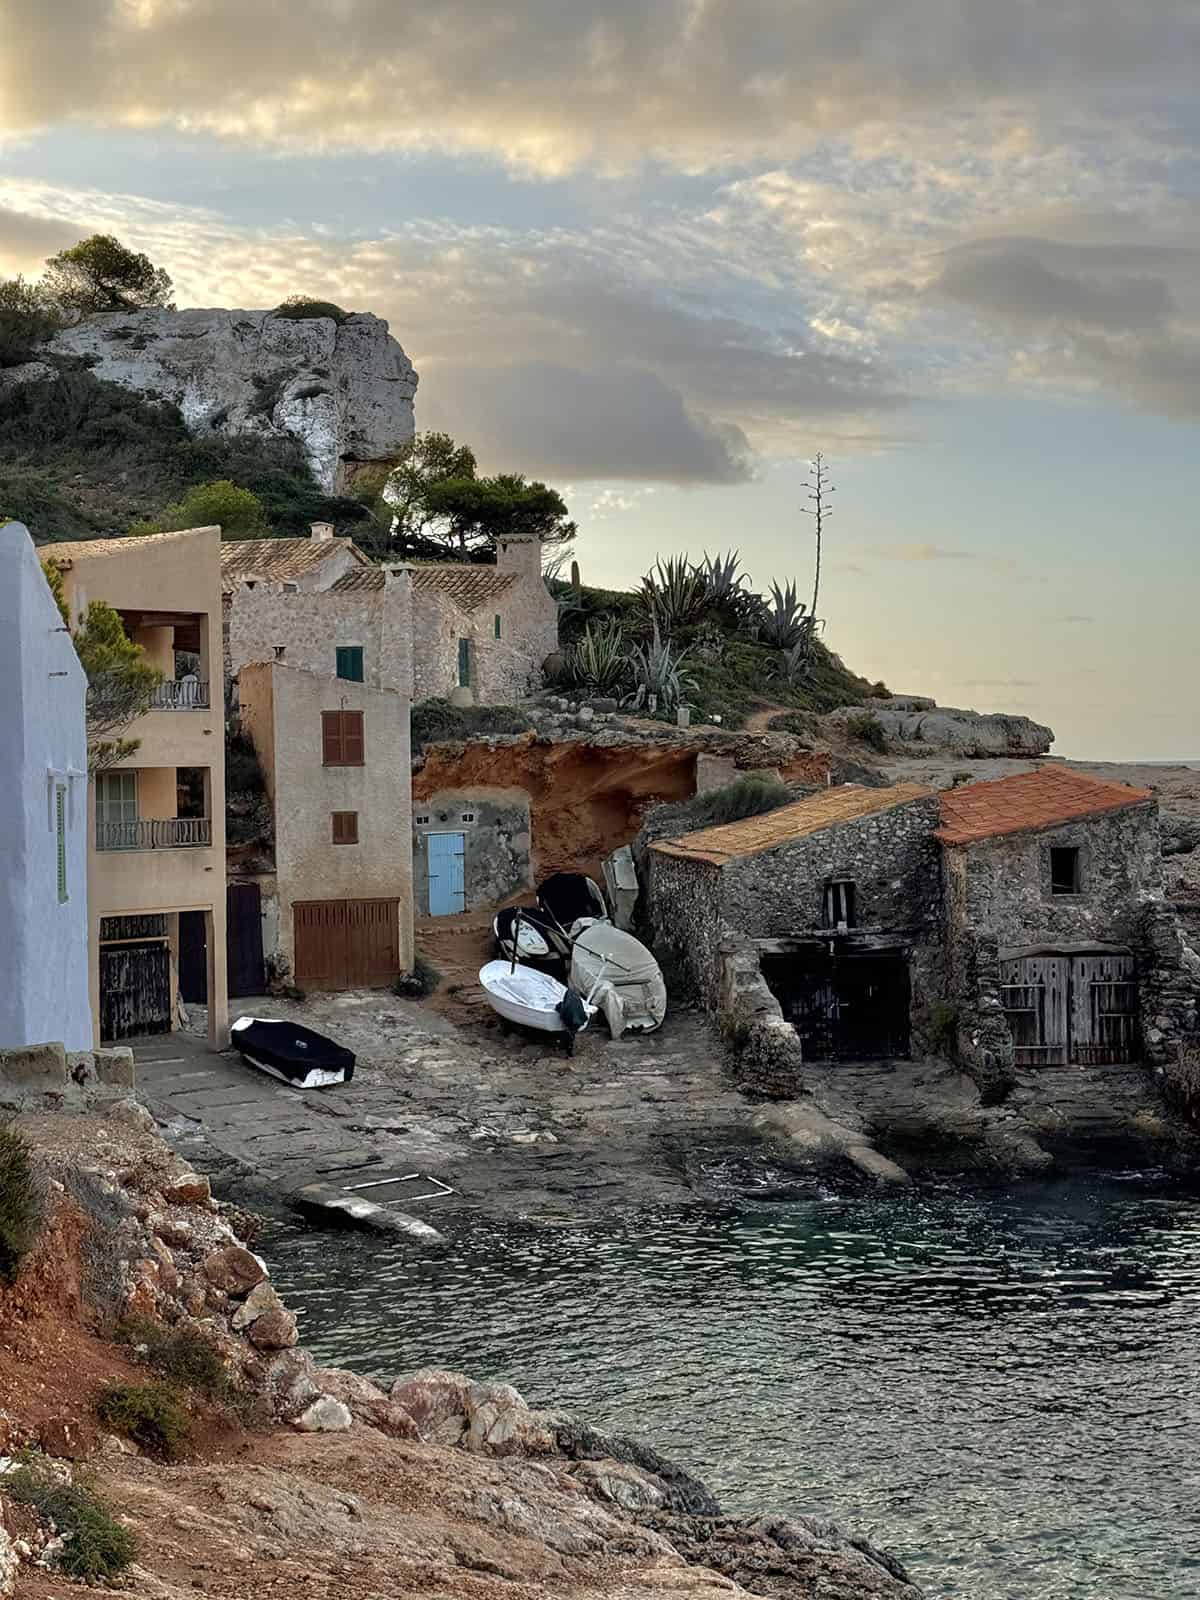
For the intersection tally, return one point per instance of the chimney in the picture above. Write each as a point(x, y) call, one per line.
point(322, 530)
point(520, 554)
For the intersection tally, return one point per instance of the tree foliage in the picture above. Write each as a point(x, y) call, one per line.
point(102, 274)
point(27, 319)
point(238, 512)
point(121, 684)
point(301, 308)
point(22, 1202)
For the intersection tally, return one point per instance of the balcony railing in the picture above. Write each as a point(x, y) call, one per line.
point(155, 833)
point(181, 694)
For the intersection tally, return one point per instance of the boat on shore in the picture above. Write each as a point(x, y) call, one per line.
point(297, 1056)
point(531, 999)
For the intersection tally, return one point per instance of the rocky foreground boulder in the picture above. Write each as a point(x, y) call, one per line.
point(343, 389)
point(321, 1484)
point(930, 729)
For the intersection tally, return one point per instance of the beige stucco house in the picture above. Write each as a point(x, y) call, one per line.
point(425, 630)
point(334, 754)
point(156, 821)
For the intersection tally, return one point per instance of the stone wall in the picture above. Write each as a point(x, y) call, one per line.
point(266, 619)
point(437, 626)
point(504, 670)
point(681, 911)
point(496, 843)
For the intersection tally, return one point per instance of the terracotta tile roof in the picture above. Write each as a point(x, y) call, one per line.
point(468, 587)
point(77, 549)
point(279, 558)
point(731, 841)
point(359, 578)
point(1029, 800)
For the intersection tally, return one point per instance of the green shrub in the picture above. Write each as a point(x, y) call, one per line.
point(22, 1202)
point(299, 308)
point(598, 661)
point(151, 1414)
point(941, 1030)
point(800, 723)
point(867, 730)
point(745, 797)
point(27, 320)
point(418, 984)
point(182, 1355)
point(437, 721)
point(95, 1545)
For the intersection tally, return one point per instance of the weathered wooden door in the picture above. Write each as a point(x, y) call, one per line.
point(1080, 1009)
point(135, 989)
point(346, 944)
point(447, 875)
point(244, 940)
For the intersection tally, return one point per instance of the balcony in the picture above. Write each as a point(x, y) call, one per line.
point(155, 833)
point(181, 694)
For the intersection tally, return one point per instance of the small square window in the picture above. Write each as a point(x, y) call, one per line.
point(422, 822)
point(345, 827)
point(468, 816)
point(350, 662)
point(840, 909)
point(342, 738)
point(1064, 870)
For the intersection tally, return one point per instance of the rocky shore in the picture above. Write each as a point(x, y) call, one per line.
point(312, 1482)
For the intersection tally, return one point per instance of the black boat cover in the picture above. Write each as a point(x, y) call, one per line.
point(567, 896)
point(291, 1050)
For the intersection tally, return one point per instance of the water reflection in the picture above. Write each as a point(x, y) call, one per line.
point(1002, 1391)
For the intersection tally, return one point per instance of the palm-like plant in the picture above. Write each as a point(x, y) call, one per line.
point(785, 623)
point(598, 661)
point(657, 673)
point(674, 593)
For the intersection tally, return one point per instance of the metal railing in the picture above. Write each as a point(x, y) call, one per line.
point(181, 694)
point(155, 833)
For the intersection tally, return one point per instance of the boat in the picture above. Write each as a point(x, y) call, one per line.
point(567, 898)
point(529, 935)
point(604, 959)
point(299, 1057)
point(533, 999)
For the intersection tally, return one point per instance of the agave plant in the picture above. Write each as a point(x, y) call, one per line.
point(674, 593)
point(722, 577)
point(657, 673)
point(796, 663)
point(784, 623)
point(598, 660)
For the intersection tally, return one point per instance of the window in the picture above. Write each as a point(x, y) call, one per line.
point(464, 663)
point(279, 650)
point(468, 816)
point(496, 625)
point(342, 742)
point(60, 829)
point(840, 909)
point(1064, 870)
point(116, 797)
point(345, 827)
point(350, 662)
point(422, 822)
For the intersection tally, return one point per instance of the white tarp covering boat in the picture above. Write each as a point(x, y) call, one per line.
point(604, 955)
point(534, 999)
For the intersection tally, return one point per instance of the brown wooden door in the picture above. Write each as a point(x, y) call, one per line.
point(1104, 1026)
point(1080, 1009)
point(135, 989)
point(346, 944)
point(1035, 991)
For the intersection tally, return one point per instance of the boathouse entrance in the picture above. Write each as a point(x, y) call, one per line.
point(845, 1005)
point(1075, 1006)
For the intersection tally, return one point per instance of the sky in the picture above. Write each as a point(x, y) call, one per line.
point(660, 252)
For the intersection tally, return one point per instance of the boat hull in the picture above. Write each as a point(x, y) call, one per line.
point(525, 996)
point(297, 1056)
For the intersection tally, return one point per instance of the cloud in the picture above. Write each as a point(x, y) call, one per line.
point(1015, 285)
point(920, 553)
point(26, 240)
point(552, 85)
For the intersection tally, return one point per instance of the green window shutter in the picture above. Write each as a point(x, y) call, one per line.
point(350, 662)
point(60, 826)
point(464, 663)
point(496, 624)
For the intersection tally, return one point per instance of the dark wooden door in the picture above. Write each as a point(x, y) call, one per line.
point(135, 990)
point(346, 944)
point(1080, 1009)
point(844, 1008)
point(1104, 1021)
point(193, 958)
point(244, 940)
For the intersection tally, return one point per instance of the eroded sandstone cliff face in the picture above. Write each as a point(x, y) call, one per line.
point(345, 390)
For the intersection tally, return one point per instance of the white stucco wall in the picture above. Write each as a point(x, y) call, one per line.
point(43, 943)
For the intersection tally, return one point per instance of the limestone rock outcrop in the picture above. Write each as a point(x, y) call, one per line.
point(344, 390)
point(913, 720)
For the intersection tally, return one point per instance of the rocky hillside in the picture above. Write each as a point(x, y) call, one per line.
point(161, 1428)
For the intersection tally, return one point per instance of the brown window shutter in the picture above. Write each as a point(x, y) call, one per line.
point(345, 827)
point(331, 738)
point(353, 748)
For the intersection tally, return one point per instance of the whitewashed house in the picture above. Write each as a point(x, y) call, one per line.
point(44, 804)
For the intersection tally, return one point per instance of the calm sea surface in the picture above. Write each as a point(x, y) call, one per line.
point(1004, 1392)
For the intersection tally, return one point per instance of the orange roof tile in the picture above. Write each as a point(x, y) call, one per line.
point(77, 549)
point(730, 841)
point(1029, 800)
point(467, 586)
point(279, 558)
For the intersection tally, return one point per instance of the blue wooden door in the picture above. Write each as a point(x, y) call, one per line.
point(447, 885)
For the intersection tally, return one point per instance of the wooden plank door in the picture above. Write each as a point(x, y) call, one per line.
point(135, 990)
point(244, 940)
point(447, 875)
point(1036, 992)
point(1104, 1021)
point(346, 944)
point(193, 958)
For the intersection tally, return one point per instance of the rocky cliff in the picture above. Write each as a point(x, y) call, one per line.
point(313, 1482)
point(344, 390)
point(923, 724)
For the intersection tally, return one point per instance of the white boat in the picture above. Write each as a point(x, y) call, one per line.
point(605, 958)
point(534, 999)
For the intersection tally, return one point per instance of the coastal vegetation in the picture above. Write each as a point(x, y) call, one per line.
point(95, 1545)
point(22, 1202)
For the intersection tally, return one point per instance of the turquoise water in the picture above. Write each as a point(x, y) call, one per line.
point(1003, 1391)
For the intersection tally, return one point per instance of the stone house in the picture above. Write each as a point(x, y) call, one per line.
point(1019, 922)
point(477, 633)
point(334, 755)
point(156, 820)
point(832, 904)
point(43, 798)
point(471, 849)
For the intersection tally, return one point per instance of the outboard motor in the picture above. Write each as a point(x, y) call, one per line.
point(574, 1016)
